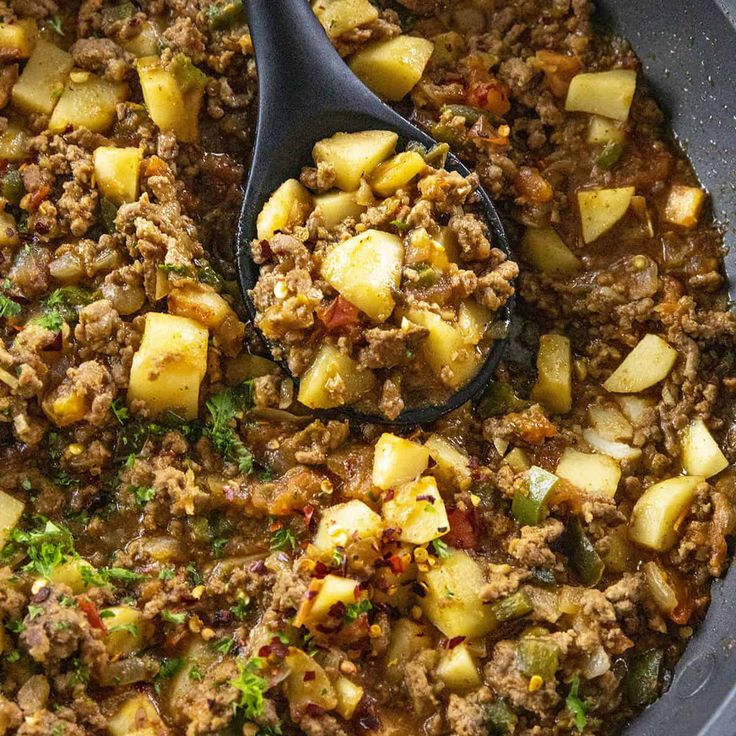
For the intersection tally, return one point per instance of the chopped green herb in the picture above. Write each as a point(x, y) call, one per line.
point(56, 23)
point(12, 656)
point(166, 573)
point(400, 224)
point(47, 547)
point(225, 407)
point(8, 308)
point(120, 411)
point(167, 669)
point(16, 626)
point(132, 629)
point(282, 539)
point(354, 610)
point(173, 618)
point(142, 494)
point(64, 480)
point(575, 705)
point(224, 646)
point(440, 548)
point(195, 674)
point(193, 574)
point(251, 687)
point(34, 611)
point(241, 609)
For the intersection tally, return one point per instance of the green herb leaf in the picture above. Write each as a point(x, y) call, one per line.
point(251, 687)
point(120, 411)
point(575, 705)
point(224, 646)
point(56, 23)
point(282, 538)
point(355, 610)
point(8, 308)
point(47, 547)
point(440, 548)
point(225, 407)
point(166, 573)
point(142, 494)
point(173, 618)
point(242, 608)
point(132, 629)
point(34, 611)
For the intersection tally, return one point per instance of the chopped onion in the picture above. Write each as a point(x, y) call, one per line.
point(66, 268)
point(545, 603)
point(617, 450)
point(128, 671)
point(659, 588)
point(596, 664)
point(8, 379)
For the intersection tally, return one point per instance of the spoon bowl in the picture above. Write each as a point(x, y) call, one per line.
point(306, 93)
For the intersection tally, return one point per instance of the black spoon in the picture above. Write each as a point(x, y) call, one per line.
point(306, 93)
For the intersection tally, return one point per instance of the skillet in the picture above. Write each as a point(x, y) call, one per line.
point(688, 50)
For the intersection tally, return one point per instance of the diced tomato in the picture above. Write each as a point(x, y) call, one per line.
point(339, 313)
point(462, 532)
point(397, 564)
point(559, 69)
point(492, 95)
point(89, 609)
point(531, 184)
point(34, 200)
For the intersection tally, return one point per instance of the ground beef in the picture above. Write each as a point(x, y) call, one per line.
point(391, 347)
point(102, 56)
point(532, 547)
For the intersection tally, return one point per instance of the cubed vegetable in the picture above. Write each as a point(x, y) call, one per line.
point(604, 130)
point(354, 155)
point(538, 654)
point(700, 452)
point(145, 43)
point(14, 144)
point(66, 404)
point(647, 364)
point(342, 16)
point(349, 696)
point(199, 302)
point(597, 475)
point(657, 514)
point(601, 209)
point(448, 47)
point(169, 366)
point(288, 206)
point(127, 630)
point(452, 466)
point(336, 207)
point(659, 587)
point(473, 320)
point(518, 460)
point(88, 101)
point(75, 574)
point(388, 177)
point(458, 670)
point(684, 205)
point(366, 269)
point(40, 85)
point(397, 460)
point(137, 716)
point(408, 638)
point(636, 409)
point(553, 387)
point(11, 509)
point(544, 249)
point(307, 684)
point(333, 379)
point(329, 591)
point(18, 39)
point(417, 509)
point(582, 556)
point(445, 348)
point(9, 236)
point(452, 601)
point(529, 505)
point(345, 523)
point(197, 654)
point(116, 171)
point(422, 248)
point(610, 423)
point(602, 93)
point(392, 67)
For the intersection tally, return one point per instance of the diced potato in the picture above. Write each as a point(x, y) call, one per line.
point(473, 320)
point(88, 102)
point(656, 515)
point(72, 574)
point(342, 16)
point(346, 523)
point(302, 689)
point(173, 95)
point(392, 67)
point(417, 509)
point(635, 408)
point(421, 247)
point(648, 363)
point(445, 347)
point(452, 465)
point(684, 205)
point(199, 302)
point(169, 366)
point(700, 452)
point(14, 144)
point(553, 388)
point(366, 269)
point(397, 460)
point(137, 716)
point(330, 590)
point(610, 423)
point(612, 448)
point(408, 638)
point(448, 47)
point(18, 39)
point(393, 586)
point(146, 43)
point(288, 206)
point(544, 249)
point(458, 670)
point(349, 696)
point(336, 207)
point(597, 475)
point(334, 379)
point(604, 130)
point(9, 236)
point(11, 509)
point(601, 209)
point(387, 178)
point(452, 602)
point(518, 460)
point(42, 81)
point(116, 171)
point(602, 93)
point(66, 404)
point(127, 630)
point(354, 155)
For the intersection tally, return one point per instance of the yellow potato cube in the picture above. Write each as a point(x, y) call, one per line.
point(597, 475)
point(452, 602)
point(636, 409)
point(452, 466)
point(544, 249)
point(349, 696)
point(656, 515)
point(342, 16)
point(518, 460)
point(199, 302)
point(14, 144)
point(700, 452)
point(42, 81)
point(458, 670)
point(422, 248)
point(18, 39)
point(137, 716)
point(387, 178)
point(601, 209)
point(612, 448)
point(346, 523)
point(302, 691)
point(65, 406)
point(448, 48)
point(116, 171)
point(392, 67)
point(604, 130)
point(366, 269)
point(336, 207)
point(397, 460)
point(408, 639)
point(610, 423)
point(684, 205)
point(73, 574)
point(473, 320)
point(354, 155)
point(288, 206)
point(11, 509)
point(553, 388)
point(331, 590)
point(602, 93)
point(417, 509)
point(127, 630)
point(334, 379)
point(647, 364)
point(88, 103)
point(146, 43)
point(169, 366)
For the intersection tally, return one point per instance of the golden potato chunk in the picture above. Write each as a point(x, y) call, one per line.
point(137, 716)
point(597, 475)
point(11, 509)
point(544, 249)
point(602, 93)
point(14, 144)
point(116, 172)
point(397, 460)
point(342, 16)
point(458, 670)
point(40, 85)
point(199, 302)
point(700, 452)
point(601, 209)
point(288, 206)
point(684, 205)
point(346, 523)
point(647, 364)
point(553, 388)
point(18, 39)
point(336, 207)
point(88, 101)
point(417, 510)
point(387, 178)
point(604, 130)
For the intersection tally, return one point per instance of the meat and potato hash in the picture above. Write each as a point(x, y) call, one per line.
point(187, 549)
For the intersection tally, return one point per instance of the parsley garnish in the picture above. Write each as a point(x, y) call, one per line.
point(241, 609)
point(193, 574)
point(251, 687)
point(55, 23)
point(47, 547)
point(104, 575)
point(225, 407)
point(224, 646)
point(440, 548)
point(132, 629)
point(173, 618)
point(282, 538)
point(34, 611)
point(400, 224)
point(575, 705)
point(166, 573)
point(167, 669)
point(195, 674)
point(142, 494)
point(120, 411)
point(52, 320)
point(354, 610)
point(8, 308)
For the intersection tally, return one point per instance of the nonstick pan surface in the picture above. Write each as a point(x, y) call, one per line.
point(688, 49)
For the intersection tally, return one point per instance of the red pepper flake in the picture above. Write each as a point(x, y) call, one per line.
point(462, 532)
point(314, 710)
point(89, 609)
point(337, 610)
point(455, 641)
point(311, 594)
point(338, 313)
point(308, 512)
point(321, 570)
point(310, 675)
point(397, 564)
point(390, 493)
point(35, 198)
point(264, 651)
point(426, 497)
